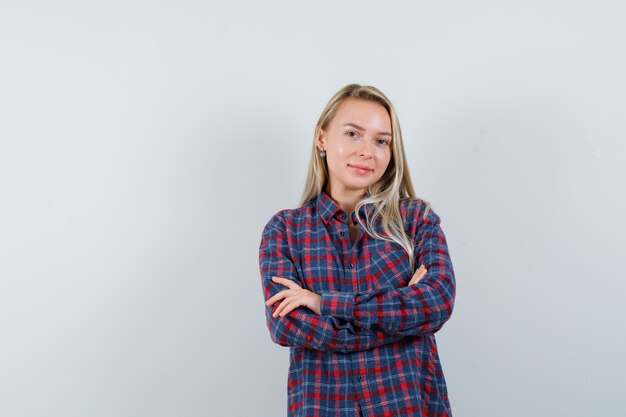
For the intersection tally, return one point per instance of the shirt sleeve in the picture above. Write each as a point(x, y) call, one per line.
point(302, 327)
point(411, 310)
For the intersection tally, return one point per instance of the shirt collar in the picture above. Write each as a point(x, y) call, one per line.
point(328, 208)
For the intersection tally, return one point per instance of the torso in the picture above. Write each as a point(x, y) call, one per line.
point(312, 248)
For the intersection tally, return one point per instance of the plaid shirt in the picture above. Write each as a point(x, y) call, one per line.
point(372, 350)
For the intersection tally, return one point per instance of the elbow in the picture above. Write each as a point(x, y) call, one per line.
point(445, 316)
point(277, 340)
point(276, 331)
point(441, 312)
point(446, 309)
point(434, 321)
point(447, 294)
point(278, 337)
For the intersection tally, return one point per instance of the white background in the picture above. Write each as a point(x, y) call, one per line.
point(145, 144)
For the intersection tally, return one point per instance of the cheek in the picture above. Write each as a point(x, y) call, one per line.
point(341, 148)
point(384, 157)
point(338, 154)
point(333, 160)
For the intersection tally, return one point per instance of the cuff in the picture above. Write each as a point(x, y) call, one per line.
point(337, 304)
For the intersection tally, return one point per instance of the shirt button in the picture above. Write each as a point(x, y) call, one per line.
point(343, 216)
point(350, 266)
point(341, 233)
point(360, 377)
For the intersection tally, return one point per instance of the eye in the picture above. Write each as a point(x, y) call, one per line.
point(383, 141)
point(351, 133)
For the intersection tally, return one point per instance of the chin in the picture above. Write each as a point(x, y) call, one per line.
point(359, 185)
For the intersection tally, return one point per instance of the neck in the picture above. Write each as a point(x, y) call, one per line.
point(347, 199)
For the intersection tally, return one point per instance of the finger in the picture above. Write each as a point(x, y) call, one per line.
point(419, 274)
point(274, 298)
point(421, 268)
point(281, 307)
point(282, 280)
point(278, 296)
point(289, 307)
point(277, 310)
point(286, 282)
point(285, 308)
point(290, 303)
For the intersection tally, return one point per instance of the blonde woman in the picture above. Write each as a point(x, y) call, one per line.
point(340, 277)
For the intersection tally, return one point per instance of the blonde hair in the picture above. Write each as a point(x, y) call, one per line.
point(385, 194)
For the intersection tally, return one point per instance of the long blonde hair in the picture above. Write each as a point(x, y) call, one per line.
point(384, 196)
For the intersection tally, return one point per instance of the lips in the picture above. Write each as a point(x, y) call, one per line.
point(360, 169)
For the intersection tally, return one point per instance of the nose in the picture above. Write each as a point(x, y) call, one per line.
point(366, 148)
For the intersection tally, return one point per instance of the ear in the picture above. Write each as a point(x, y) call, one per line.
point(321, 140)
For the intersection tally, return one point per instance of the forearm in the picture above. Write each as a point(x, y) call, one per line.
point(303, 328)
point(411, 310)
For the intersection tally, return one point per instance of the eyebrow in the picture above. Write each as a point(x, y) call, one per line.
point(360, 128)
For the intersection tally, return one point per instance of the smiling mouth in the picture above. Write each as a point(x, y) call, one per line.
point(360, 170)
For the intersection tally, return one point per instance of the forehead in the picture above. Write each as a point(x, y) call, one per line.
point(365, 113)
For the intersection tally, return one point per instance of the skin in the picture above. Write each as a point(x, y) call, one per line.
point(359, 135)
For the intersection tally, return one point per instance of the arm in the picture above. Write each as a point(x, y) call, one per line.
point(301, 327)
point(411, 310)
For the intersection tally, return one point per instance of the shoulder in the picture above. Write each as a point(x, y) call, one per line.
point(416, 212)
point(286, 219)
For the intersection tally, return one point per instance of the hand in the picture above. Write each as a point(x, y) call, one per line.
point(419, 274)
point(294, 297)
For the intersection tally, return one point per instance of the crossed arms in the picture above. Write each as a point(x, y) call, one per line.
point(352, 321)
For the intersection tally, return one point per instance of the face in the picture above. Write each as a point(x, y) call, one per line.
point(358, 145)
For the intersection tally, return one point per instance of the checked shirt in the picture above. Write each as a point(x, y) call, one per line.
point(372, 351)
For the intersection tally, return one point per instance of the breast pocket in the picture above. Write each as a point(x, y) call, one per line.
point(390, 268)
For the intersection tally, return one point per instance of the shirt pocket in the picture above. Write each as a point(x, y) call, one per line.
point(390, 268)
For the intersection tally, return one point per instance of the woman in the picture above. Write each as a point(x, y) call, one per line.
point(339, 277)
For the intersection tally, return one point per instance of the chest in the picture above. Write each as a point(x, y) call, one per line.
point(338, 257)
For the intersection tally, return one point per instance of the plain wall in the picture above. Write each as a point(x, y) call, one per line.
point(145, 144)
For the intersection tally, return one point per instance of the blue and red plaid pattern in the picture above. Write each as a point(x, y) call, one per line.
point(372, 350)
